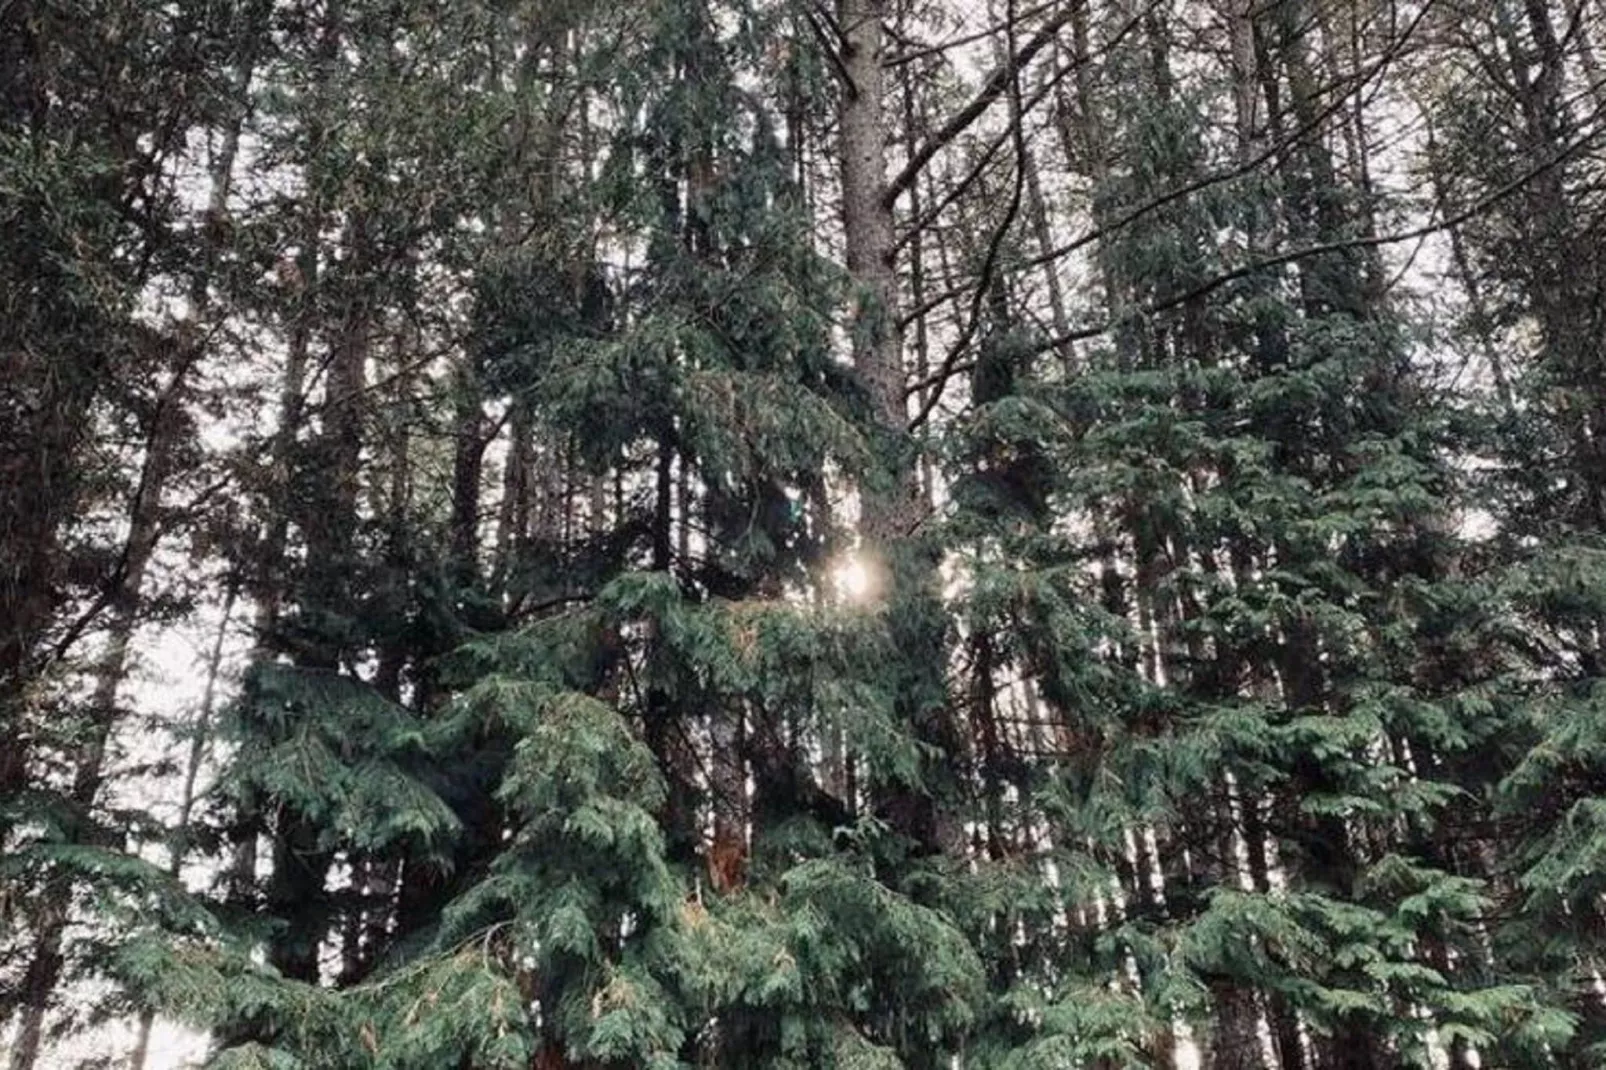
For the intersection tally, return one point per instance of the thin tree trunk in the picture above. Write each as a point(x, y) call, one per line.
point(468, 458)
point(200, 738)
point(44, 968)
point(1471, 285)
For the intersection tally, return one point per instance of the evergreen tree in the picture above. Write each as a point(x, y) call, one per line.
point(1535, 301)
point(760, 533)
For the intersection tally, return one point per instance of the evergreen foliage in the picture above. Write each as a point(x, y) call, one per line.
point(736, 534)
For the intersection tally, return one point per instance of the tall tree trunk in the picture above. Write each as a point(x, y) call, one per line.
point(297, 889)
point(890, 505)
point(889, 511)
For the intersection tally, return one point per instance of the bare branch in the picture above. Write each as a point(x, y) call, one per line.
point(997, 83)
point(950, 368)
point(990, 264)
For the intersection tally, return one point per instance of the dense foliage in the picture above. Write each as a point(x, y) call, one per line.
point(733, 533)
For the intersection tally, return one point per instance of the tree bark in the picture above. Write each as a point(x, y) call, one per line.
point(902, 574)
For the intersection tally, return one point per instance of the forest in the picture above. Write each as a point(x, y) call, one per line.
point(862, 534)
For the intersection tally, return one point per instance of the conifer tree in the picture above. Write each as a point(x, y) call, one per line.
point(1514, 130)
point(761, 533)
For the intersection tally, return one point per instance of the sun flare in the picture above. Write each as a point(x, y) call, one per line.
point(855, 581)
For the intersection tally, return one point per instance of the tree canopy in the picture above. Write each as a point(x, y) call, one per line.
point(763, 534)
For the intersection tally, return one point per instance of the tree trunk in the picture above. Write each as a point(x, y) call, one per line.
point(888, 513)
point(901, 574)
point(199, 740)
point(468, 454)
point(44, 969)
